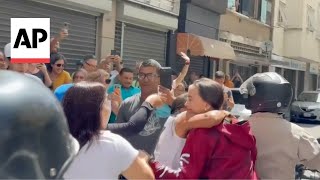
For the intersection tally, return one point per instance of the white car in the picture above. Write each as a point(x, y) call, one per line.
point(239, 110)
point(307, 107)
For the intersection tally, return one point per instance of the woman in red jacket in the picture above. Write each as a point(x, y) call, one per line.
point(226, 151)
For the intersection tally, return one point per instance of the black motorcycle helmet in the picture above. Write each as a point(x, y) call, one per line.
point(267, 92)
point(34, 135)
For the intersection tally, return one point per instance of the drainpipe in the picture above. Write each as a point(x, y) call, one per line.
point(272, 24)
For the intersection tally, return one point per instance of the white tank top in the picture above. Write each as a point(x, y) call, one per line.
point(169, 146)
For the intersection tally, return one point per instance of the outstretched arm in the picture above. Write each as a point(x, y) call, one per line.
point(136, 122)
point(186, 121)
point(184, 70)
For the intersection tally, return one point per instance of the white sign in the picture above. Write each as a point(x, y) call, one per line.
point(30, 40)
point(283, 62)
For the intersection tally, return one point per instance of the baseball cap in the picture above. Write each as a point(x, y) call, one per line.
point(7, 50)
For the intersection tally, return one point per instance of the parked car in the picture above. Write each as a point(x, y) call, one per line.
point(239, 110)
point(307, 107)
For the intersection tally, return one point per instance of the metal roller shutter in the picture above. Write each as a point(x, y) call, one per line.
point(140, 44)
point(196, 65)
point(82, 33)
point(117, 37)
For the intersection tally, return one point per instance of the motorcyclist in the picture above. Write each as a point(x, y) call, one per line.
point(281, 145)
point(34, 135)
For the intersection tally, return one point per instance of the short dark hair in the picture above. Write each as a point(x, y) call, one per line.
point(211, 92)
point(87, 57)
point(151, 63)
point(219, 75)
point(127, 70)
point(82, 106)
point(54, 57)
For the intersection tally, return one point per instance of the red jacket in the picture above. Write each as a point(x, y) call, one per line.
point(227, 151)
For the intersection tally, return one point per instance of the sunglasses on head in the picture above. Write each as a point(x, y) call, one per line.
point(59, 65)
point(108, 81)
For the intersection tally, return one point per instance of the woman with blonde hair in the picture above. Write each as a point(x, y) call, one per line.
point(100, 76)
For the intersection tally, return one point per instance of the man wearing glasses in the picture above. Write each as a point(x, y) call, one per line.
point(145, 133)
point(125, 89)
point(89, 63)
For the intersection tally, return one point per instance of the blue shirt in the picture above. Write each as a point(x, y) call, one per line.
point(62, 90)
point(125, 93)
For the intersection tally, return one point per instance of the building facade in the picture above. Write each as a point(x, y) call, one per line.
point(296, 52)
point(247, 27)
point(197, 36)
point(141, 29)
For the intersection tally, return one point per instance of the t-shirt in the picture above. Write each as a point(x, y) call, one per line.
point(148, 137)
point(62, 90)
point(125, 93)
point(169, 146)
point(106, 158)
point(63, 78)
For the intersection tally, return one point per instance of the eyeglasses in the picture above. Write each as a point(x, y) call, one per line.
point(150, 76)
point(108, 81)
point(59, 65)
point(91, 65)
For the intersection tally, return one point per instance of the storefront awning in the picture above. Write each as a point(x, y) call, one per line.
point(201, 46)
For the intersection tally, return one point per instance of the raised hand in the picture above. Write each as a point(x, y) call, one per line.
point(42, 67)
point(185, 58)
point(166, 95)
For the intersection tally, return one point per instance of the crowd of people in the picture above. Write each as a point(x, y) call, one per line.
point(100, 123)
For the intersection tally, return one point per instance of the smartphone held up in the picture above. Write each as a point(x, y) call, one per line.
point(165, 77)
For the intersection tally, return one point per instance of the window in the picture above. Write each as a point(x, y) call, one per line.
point(269, 12)
point(250, 8)
point(310, 19)
point(257, 9)
point(246, 7)
point(266, 12)
point(231, 4)
point(309, 97)
point(282, 19)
